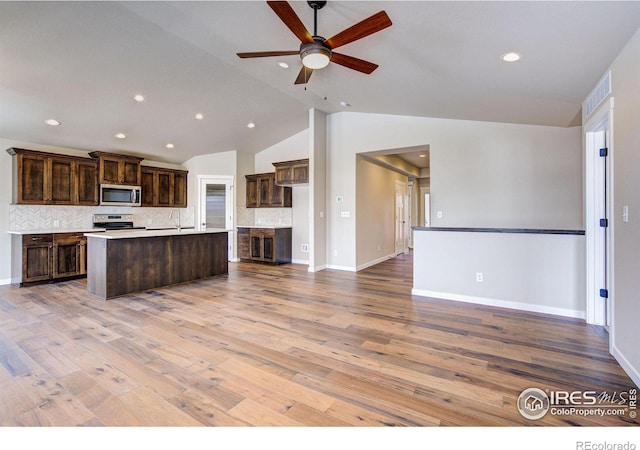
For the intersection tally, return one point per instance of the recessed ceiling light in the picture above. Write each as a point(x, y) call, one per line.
point(344, 104)
point(511, 57)
point(423, 156)
point(251, 125)
point(139, 98)
point(121, 136)
point(199, 116)
point(283, 64)
point(52, 122)
point(169, 145)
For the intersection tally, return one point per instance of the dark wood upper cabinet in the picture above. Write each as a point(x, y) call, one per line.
point(180, 189)
point(118, 169)
point(289, 173)
point(263, 192)
point(41, 178)
point(87, 183)
point(164, 187)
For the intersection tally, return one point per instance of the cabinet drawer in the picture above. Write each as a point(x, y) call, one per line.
point(35, 239)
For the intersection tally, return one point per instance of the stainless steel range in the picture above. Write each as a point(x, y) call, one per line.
point(114, 222)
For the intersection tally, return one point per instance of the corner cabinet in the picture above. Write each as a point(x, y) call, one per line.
point(49, 256)
point(266, 245)
point(289, 173)
point(164, 187)
point(41, 178)
point(263, 192)
point(118, 169)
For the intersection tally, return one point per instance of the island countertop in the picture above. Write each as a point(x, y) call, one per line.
point(125, 234)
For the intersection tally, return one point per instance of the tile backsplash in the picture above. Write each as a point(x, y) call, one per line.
point(49, 217)
point(263, 216)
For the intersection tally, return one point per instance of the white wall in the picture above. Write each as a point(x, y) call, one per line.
point(213, 164)
point(625, 79)
point(534, 272)
point(483, 174)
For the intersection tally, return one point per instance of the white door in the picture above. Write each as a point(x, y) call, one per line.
point(217, 206)
point(598, 227)
point(400, 217)
point(427, 210)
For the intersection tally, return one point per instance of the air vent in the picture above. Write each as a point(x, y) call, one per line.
point(599, 94)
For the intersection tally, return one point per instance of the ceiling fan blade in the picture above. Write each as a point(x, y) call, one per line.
point(304, 75)
point(291, 20)
point(353, 63)
point(373, 24)
point(265, 54)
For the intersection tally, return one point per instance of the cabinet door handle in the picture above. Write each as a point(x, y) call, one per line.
point(37, 239)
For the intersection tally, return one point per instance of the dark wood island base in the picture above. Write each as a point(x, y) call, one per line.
point(123, 265)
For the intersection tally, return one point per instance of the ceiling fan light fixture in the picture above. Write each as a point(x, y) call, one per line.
point(315, 56)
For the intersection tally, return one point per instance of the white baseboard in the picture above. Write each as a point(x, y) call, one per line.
point(633, 373)
point(5, 281)
point(501, 303)
point(343, 268)
point(300, 261)
point(374, 262)
point(317, 268)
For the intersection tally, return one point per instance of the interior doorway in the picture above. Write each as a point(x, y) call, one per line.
point(217, 206)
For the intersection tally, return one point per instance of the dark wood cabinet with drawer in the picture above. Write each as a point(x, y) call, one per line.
point(267, 245)
point(48, 257)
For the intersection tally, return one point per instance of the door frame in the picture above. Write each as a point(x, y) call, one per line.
point(596, 313)
point(230, 206)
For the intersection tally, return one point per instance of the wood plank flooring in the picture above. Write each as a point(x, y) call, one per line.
point(278, 346)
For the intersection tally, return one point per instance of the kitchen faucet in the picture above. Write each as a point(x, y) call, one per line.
point(178, 217)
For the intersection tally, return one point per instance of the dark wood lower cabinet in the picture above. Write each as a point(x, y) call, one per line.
point(69, 255)
point(127, 265)
point(267, 245)
point(37, 257)
point(48, 257)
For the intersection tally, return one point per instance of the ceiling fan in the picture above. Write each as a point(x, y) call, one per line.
point(315, 51)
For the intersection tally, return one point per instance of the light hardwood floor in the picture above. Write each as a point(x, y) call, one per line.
point(278, 346)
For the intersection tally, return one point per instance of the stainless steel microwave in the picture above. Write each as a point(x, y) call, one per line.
point(120, 195)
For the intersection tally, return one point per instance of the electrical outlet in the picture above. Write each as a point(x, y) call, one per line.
point(56, 223)
point(439, 215)
point(479, 277)
point(335, 253)
point(304, 248)
point(378, 247)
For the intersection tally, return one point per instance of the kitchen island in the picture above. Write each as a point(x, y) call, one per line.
point(123, 262)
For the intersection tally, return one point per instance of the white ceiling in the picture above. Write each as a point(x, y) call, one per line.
point(82, 62)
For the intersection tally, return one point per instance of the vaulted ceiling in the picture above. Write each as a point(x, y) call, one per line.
point(82, 63)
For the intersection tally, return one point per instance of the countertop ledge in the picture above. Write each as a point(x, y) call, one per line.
point(270, 227)
point(503, 230)
point(58, 230)
point(153, 233)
